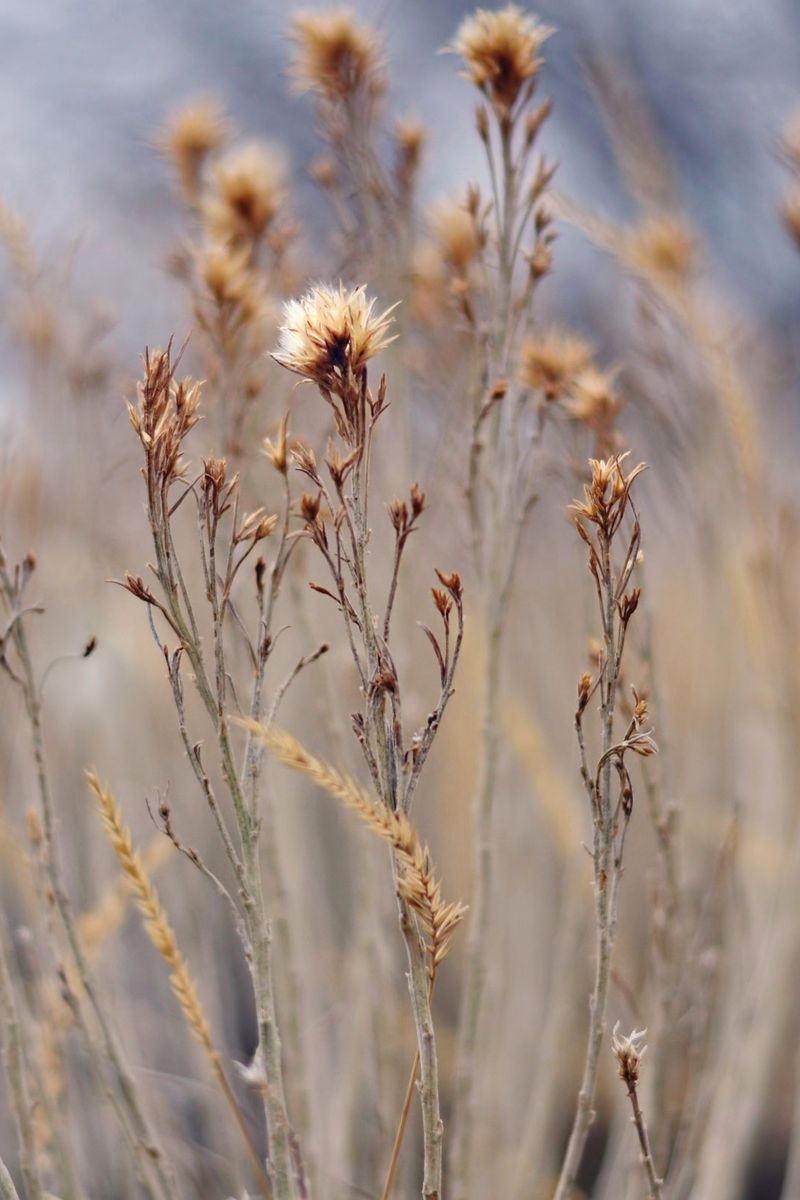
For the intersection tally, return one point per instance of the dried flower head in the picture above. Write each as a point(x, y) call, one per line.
point(593, 399)
point(455, 234)
point(410, 136)
point(607, 493)
point(167, 410)
point(330, 334)
point(249, 188)
point(334, 55)
point(189, 136)
point(629, 1053)
point(550, 362)
point(231, 283)
point(661, 247)
point(276, 451)
point(500, 50)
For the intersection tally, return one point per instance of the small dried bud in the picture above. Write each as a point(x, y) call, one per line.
point(629, 1053)
point(340, 467)
point(90, 647)
point(277, 452)
point(452, 583)
point(214, 470)
point(309, 507)
point(584, 690)
point(482, 122)
point(305, 460)
point(398, 515)
point(417, 501)
point(385, 681)
point(535, 120)
point(628, 604)
point(442, 601)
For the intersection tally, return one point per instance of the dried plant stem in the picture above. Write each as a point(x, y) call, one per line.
point(479, 931)
point(419, 904)
point(163, 938)
point(152, 1158)
point(166, 413)
point(606, 881)
point(401, 1127)
point(538, 1152)
point(17, 1075)
point(629, 1052)
point(7, 1189)
point(654, 1183)
point(607, 498)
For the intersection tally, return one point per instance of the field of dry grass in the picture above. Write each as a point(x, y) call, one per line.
point(400, 689)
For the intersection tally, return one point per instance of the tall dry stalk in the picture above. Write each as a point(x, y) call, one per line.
point(154, 1167)
point(163, 938)
point(328, 338)
point(166, 412)
point(16, 1070)
point(511, 243)
point(598, 520)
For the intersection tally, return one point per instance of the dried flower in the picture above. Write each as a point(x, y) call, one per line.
point(276, 451)
point(456, 235)
point(592, 398)
point(189, 136)
point(330, 334)
point(606, 495)
point(551, 362)
point(249, 186)
point(629, 1053)
point(501, 52)
point(334, 55)
point(661, 247)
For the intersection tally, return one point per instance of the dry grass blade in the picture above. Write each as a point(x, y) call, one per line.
point(163, 938)
point(417, 881)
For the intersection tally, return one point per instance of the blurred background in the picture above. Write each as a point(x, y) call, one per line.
point(679, 108)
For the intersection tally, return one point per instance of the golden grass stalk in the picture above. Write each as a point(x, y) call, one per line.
point(416, 877)
point(163, 938)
